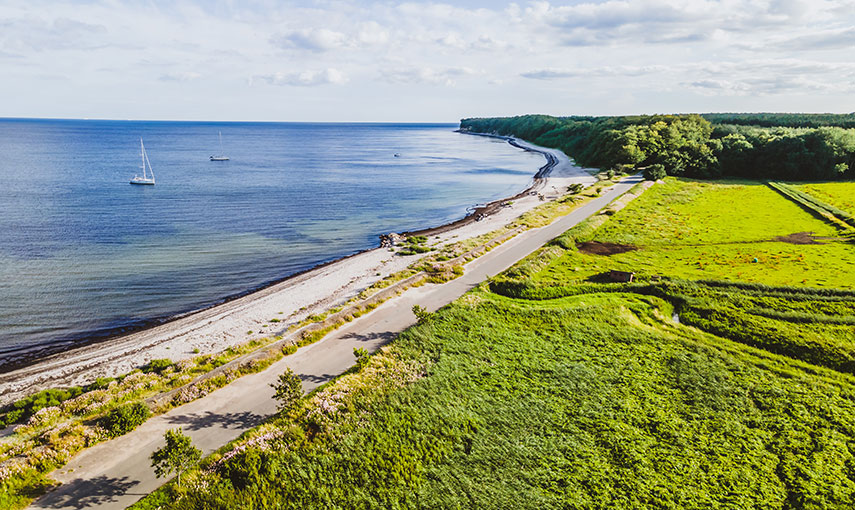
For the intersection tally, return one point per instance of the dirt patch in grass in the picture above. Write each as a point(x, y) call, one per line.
point(799, 238)
point(600, 248)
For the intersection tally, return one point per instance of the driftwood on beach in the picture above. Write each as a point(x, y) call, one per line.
point(391, 239)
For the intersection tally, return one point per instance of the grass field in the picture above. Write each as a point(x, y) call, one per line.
point(838, 194)
point(542, 390)
point(703, 230)
point(590, 401)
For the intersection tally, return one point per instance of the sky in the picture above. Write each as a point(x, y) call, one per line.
point(391, 61)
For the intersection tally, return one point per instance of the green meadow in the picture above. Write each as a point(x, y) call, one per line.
point(548, 387)
point(587, 401)
point(715, 230)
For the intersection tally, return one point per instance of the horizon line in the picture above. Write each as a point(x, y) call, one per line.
point(229, 121)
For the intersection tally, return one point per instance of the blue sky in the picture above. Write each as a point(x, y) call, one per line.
point(421, 61)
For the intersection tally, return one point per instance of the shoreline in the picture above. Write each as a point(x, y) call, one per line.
point(222, 324)
point(538, 181)
point(19, 358)
point(43, 352)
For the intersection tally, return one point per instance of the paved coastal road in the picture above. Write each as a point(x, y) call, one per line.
point(117, 473)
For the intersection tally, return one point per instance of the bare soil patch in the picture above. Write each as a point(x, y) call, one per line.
point(600, 248)
point(798, 238)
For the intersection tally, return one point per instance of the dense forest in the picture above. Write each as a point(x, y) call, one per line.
point(757, 146)
point(809, 120)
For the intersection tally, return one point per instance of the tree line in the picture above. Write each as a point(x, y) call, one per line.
point(807, 120)
point(689, 145)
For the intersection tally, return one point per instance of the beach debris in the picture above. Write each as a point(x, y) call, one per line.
point(391, 239)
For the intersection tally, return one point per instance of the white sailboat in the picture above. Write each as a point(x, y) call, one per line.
point(144, 179)
point(221, 157)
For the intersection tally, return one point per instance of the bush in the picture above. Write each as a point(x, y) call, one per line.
point(20, 410)
point(421, 313)
point(125, 418)
point(575, 188)
point(362, 357)
point(101, 383)
point(157, 365)
point(655, 172)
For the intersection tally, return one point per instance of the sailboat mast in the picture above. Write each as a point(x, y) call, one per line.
point(142, 157)
point(221, 141)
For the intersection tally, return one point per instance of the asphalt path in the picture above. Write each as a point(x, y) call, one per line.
point(117, 473)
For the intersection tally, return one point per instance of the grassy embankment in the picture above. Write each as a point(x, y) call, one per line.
point(549, 389)
point(838, 194)
point(55, 424)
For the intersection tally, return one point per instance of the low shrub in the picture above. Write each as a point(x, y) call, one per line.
point(362, 357)
point(157, 365)
point(21, 410)
point(125, 418)
point(655, 172)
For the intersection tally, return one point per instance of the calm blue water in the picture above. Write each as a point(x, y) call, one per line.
point(83, 254)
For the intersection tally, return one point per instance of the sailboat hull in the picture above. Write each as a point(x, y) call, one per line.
point(219, 158)
point(141, 182)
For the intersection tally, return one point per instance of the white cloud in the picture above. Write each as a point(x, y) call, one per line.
point(727, 78)
point(447, 76)
point(823, 40)
point(303, 78)
point(62, 33)
point(622, 22)
point(88, 59)
point(622, 71)
point(764, 86)
point(371, 33)
point(180, 76)
point(320, 39)
point(365, 34)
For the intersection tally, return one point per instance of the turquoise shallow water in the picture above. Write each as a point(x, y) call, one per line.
point(84, 255)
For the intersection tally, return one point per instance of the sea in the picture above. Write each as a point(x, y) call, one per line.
point(85, 256)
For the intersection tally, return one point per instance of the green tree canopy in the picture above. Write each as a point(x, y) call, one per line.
point(177, 456)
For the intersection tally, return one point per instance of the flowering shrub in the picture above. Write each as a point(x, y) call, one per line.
point(261, 442)
point(44, 416)
point(13, 467)
point(326, 404)
point(79, 405)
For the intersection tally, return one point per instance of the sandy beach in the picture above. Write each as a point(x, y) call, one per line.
point(292, 300)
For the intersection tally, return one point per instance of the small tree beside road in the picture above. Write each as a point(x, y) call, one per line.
point(177, 456)
point(288, 390)
point(421, 313)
